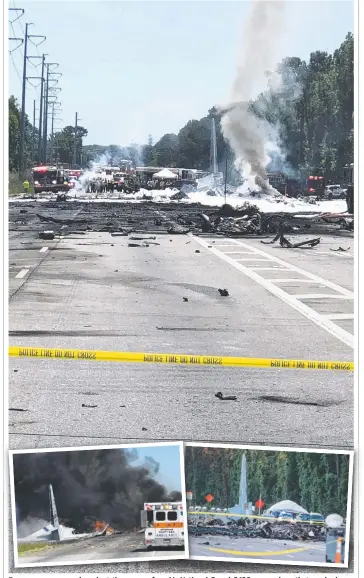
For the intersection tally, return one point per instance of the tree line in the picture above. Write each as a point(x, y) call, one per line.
point(60, 149)
point(313, 115)
point(318, 482)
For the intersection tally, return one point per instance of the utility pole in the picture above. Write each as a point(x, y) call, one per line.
point(33, 135)
point(41, 112)
point(45, 118)
point(75, 144)
point(22, 118)
point(226, 169)
point(46, 98)
point(11, 22)
point(54, 109)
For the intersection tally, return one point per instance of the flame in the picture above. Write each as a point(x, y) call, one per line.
point(99, 526)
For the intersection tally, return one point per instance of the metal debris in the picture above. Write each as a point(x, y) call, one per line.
point(340, 249)
point(89, 406)
point(286, 243)
point(17, 409)
point(46, 235)
point(219, 395)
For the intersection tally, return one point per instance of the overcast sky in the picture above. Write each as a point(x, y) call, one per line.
point(135, 68)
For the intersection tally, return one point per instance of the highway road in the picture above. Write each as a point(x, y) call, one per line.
point(92, 291)
point(108, 548)
point(284, 551)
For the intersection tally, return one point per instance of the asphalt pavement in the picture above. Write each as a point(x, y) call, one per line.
point(284, 551)
point(108, 548)
point(92, 291)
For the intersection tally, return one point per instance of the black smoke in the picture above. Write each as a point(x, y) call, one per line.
point(88, 485)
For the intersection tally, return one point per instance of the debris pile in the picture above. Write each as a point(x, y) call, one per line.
point(151, 218)
point(255, 528)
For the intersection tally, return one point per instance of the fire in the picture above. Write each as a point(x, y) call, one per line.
point(100, 526)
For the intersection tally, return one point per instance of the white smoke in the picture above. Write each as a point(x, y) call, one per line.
point(250, 136)
point(29, 526)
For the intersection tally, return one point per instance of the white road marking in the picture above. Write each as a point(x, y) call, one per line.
point(322, 296)
point(274, 268)
point(292, 267)
point(335, 253)
point(43, 250)
point(342, 316)
point(22, 274)
point(291, 300)
point(237, 252)
point(294, 281)
point(253, 259)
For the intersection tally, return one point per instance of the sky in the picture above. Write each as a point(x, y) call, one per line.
point(168, 457)
point(136, 68)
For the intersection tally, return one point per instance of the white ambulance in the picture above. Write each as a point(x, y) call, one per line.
point(163, 524)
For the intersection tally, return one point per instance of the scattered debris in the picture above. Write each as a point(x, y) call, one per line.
point(286, 244)
point(122, 406)
point(185, 299)
point(144, 429)
point(340, 249)
point(142, 238)
point(197, 251)
point(89, 406)
point(15, 370)
point(219, 395)
point(224, 292)
point(17, 409)
point(46, 235)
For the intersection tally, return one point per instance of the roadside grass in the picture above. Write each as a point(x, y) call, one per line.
point(16, 185)
point(33, 547)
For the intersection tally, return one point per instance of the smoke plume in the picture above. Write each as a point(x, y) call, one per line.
point(88, 486)
point(248, 133)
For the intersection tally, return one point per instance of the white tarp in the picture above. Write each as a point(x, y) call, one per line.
point(164, 174)
point(287, 506)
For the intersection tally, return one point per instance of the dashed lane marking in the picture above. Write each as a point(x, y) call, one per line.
point(322, 296)
point(43, 250)
point(340, 316)
point(292, 300)
point(22, 273)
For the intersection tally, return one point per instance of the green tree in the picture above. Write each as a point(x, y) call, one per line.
point(64, 144)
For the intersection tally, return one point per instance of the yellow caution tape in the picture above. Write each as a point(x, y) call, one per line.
point(229, 515)
point(171, 358)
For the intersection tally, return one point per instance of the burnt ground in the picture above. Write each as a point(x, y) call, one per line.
point(152, 218)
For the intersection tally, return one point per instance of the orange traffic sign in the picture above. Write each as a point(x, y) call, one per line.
point(209, 498)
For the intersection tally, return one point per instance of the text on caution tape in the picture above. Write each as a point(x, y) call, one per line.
point(168, 358)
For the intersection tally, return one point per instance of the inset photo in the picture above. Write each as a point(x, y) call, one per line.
point(99, 504)
point(268, 505)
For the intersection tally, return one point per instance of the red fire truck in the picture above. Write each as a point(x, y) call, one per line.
point(49, 178)
point(315, 186)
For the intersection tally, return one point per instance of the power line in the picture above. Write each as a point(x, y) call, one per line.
point(17, 71)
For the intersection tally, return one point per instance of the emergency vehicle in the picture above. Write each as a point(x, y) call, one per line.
point(315, 186)
point(49, 178)
point(163, 524)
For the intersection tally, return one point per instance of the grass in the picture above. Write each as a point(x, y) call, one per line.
point(16, 185)
point(32, 547)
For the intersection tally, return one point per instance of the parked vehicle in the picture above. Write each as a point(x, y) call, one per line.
point(334, 192)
